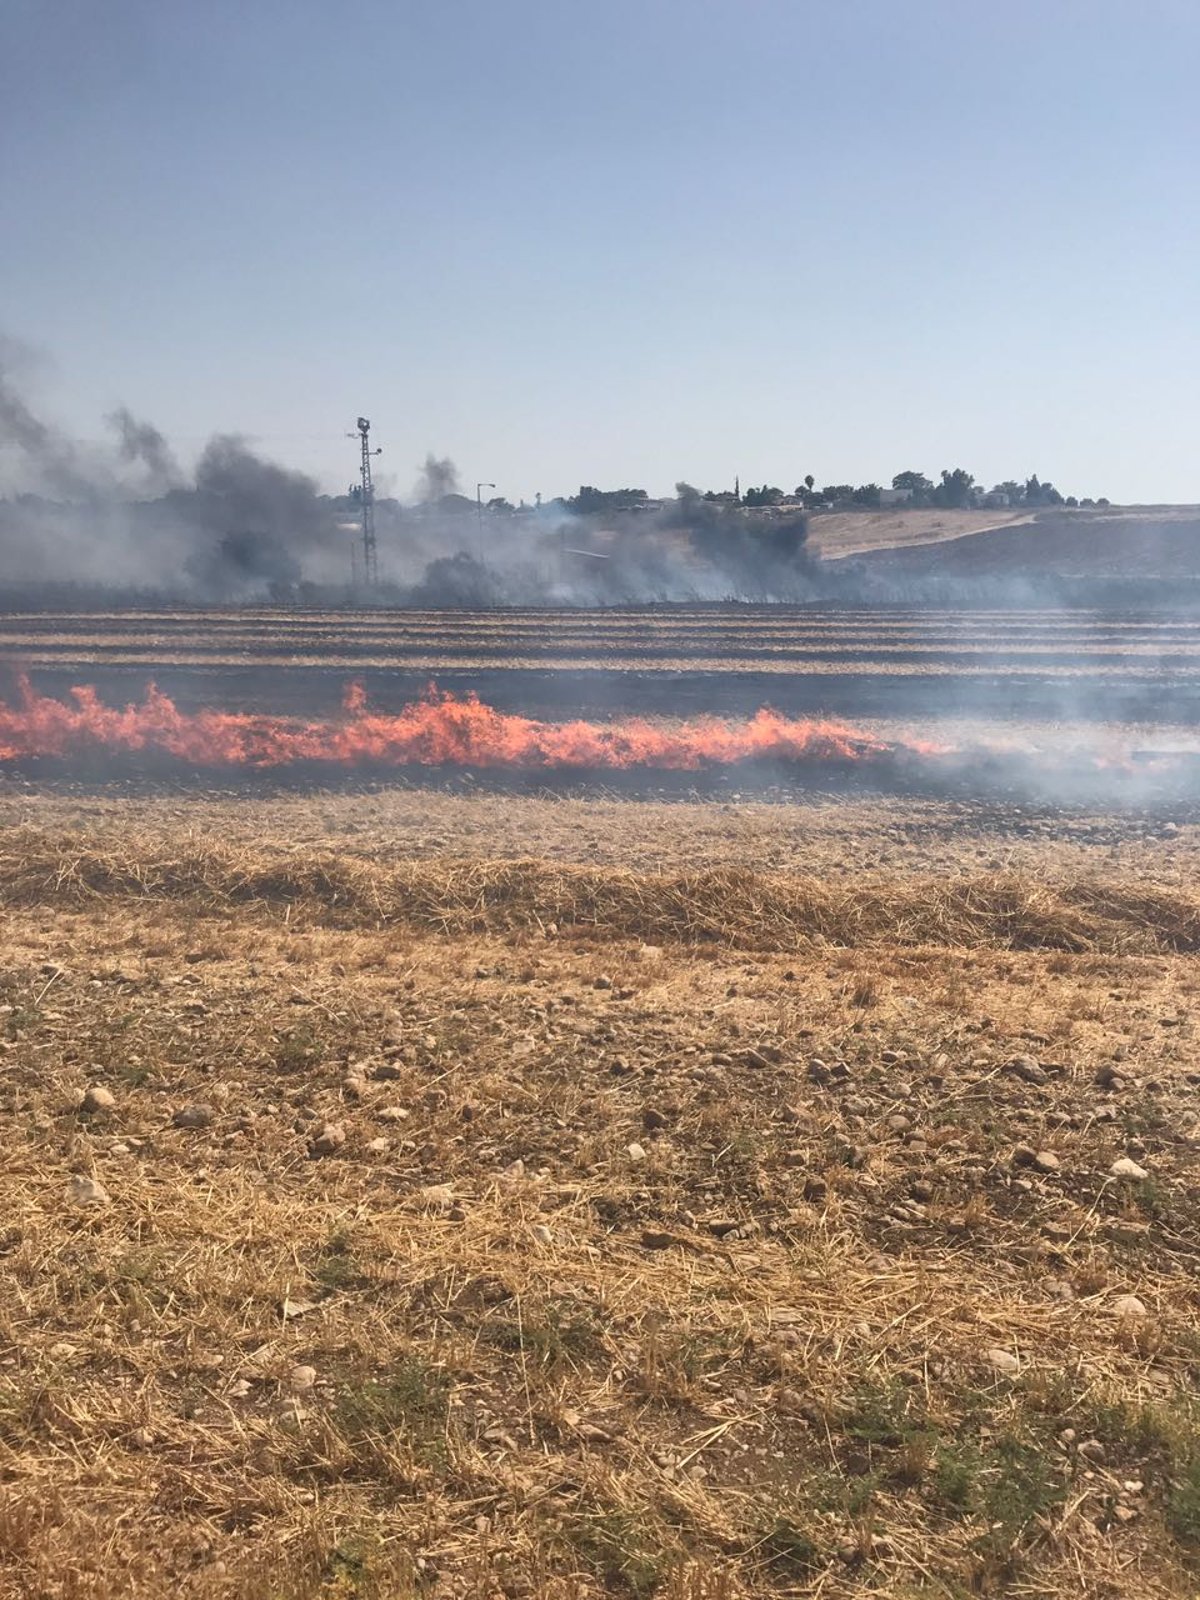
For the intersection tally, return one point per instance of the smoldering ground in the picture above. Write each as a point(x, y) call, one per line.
point(123, 516)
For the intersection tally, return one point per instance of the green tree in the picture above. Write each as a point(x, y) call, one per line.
point(590, 501)
point(916, 483)
point(956, 488)
point(766, 496)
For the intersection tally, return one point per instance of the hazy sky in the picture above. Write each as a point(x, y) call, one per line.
point(618, 242)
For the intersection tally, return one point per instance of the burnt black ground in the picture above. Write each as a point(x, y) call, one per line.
point(1134, 696)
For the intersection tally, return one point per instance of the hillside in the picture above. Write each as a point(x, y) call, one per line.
point(834, 534)
point(1134, 541)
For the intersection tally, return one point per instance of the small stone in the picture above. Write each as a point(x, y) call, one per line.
point(602, 983)
point(635, 1152)
point(1092, 1450)
point(83, 1191)
point(720, 1226)
point(329, 1137)
point(354, 1086)
point(1046, 1161)
point(514, 1171)
point(1028, 1069)
point(98, 1098)
point(301, 1378)
point(195, 1116)
point(656, 1239)
point(1003, 1362)
point(1024, 1156)
point(1128, 1305)
point(898, 1123)
point(542, 1233)
point(291, 1309)
point(1123, 1167)
point(921, 1190)
point(1124, 1513)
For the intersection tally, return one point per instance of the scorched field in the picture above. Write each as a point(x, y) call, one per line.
point(599, 1140)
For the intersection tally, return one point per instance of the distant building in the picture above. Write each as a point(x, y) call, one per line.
point(895, 497)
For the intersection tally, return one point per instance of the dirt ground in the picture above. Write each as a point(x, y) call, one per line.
point(418, 1194)
point(850, 533)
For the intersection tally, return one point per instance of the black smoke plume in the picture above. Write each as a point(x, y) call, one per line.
point(140, 444)
point(439, 477)
point(127, 519)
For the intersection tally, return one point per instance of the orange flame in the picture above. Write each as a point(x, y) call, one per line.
point(439, 730)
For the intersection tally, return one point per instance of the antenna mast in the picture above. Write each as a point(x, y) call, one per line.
point(367, 505)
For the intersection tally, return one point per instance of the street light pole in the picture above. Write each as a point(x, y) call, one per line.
point(479, 487)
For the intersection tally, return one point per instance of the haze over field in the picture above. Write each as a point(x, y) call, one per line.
point(617, 244)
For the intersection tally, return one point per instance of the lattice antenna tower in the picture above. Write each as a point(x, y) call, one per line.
point(366, 494)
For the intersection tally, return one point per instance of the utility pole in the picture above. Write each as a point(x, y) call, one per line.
point(367, 505)
point(479, 488)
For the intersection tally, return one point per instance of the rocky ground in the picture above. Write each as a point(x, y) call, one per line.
point(343, 1255)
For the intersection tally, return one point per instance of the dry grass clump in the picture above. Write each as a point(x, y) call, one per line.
point(758, 1238)
point(726, 906)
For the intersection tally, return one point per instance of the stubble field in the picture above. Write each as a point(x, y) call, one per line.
point(440, 1191)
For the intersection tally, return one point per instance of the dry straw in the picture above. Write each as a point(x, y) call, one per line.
point(728, 906)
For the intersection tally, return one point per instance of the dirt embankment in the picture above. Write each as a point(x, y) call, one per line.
point(835, 534)
point(1161, 543)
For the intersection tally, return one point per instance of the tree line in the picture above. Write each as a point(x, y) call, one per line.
point(956, 489)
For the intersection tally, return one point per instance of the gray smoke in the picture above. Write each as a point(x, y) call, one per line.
point(51, 461)
point(266, 523)
point(686, 548)
point(439, 477)
point(127, 518)
point(141, 444)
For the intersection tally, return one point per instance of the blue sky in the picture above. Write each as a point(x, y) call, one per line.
point(617, 243)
